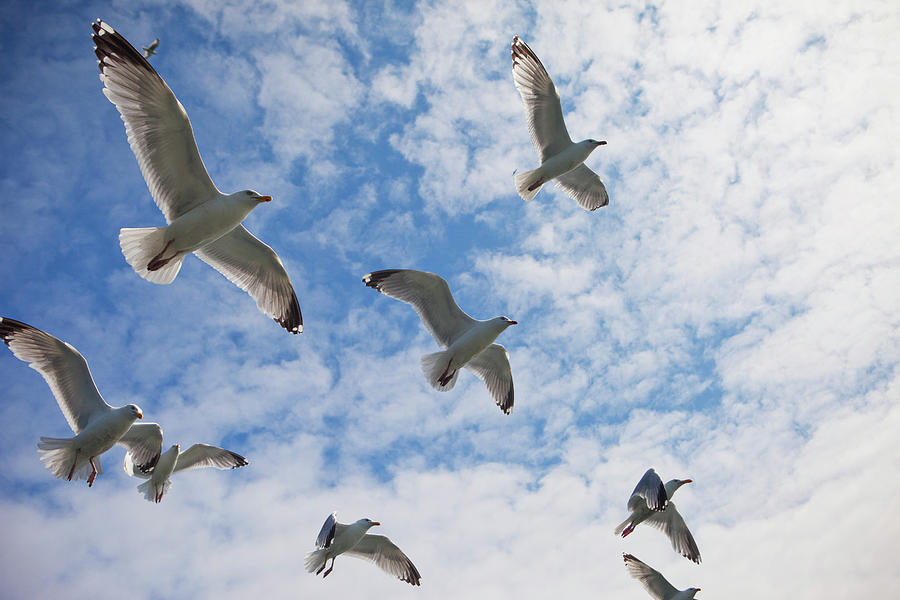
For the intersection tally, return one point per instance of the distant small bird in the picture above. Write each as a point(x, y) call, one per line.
point(151, 49)
point(338, 538)
point(97, 425)
point(653, 581)
point(561, 159)
point(173, 460)
point(467, 342)
point(200, 218)
point(651, 502)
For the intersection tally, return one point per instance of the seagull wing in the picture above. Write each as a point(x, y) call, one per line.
point(542, 108)
point(429, 295)
point(327, 533)
point(650, 578)
point(158, 128)
point(204, 455)
point(650, 491)
point(61, 366)
point(143, 442)
point(584, 186)
point(389, 558)
point(255, 268)
point(670, 522)
point(492, 367)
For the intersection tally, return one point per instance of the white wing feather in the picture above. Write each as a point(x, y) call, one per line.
point(584, 186)
point(491, 365)
point(203, 455)
point(389, 558)
point(672, 524)
point(652, 580)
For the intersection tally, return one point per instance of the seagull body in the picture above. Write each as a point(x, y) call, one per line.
point(354, 540)
point(561, 158)
point(467, 342)
point(200, 218)
point(650, 502)
point(151, 49)
point(97, 425)
point(653, 581)
point(173, 460)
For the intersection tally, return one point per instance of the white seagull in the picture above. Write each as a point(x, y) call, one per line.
point(97, 425)
point(173, 460)
point(561, 158)
point(200, 218)
point(151, 49)
point(650, 502)
point(467, 342)
point(338, 538)
point(653, 581)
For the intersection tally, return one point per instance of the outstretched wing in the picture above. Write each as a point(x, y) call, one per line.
point(429, 295)
point(672, 524)
point(584, 186)
point(255, 268)
point(143, 442)
point(158, 128)
point(61, 366)
point(652, 580)
point(542, 108)
point(203, 455)
point(491, 365)
point(389, 558)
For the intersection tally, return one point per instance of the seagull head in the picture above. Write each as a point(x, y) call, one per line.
point(254, 197)
point(674, 484)
point(368, 522)
point(135, 411)
point(506, 321)
point(596, 143)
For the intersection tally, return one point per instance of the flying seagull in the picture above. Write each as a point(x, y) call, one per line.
point(561, 158)
point(467, 342)
point(653, 581)
point(337, 538)
point(200, 218)
point(650, 502)
point(151, 49)
point(97, 425)
point(173, 460)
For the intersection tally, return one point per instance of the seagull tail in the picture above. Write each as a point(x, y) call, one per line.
point(143, 246)
point(315, 560)
point(150, 491)
point(528, 184)
point(435, 368)
point(58, 456)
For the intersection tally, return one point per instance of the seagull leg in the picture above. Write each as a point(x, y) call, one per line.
point(323, 566)
point(536, 185)
point(93, 473)
point(158, 262)
point(325, 574)
point(446, 376)
point(628, 529)
point(74, 462)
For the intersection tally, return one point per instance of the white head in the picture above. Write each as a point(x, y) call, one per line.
point(674, 484)
point(367, 523)
point(251, 198)
point(503, 322)
point(134, 410)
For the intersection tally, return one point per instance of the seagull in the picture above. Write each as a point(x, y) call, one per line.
point(467, 342)
point(97, 425)
point(561, 158)
point(200, 218)
point(173, 460)
point(151, 49)
point(653, 581)
point(337, 538)
point(651, 502)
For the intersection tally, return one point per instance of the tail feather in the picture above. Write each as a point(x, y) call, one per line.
point(528, 184)
point(58, 455)
point(434, 366)
point(150, 490)
point(141, 245)
point(315, 560)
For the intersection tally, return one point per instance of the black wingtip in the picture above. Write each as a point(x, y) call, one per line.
point(507, 405)
point(240, 460)
point(376, 278)
point(10, 327)
point(108, 43)
point(292, 319)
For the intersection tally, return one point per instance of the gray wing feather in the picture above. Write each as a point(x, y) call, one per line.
point(543, 111)
point(389, 558)
point(159, 131)
point(326, 534)
point(429, 295)
point(255, 268)
point(199, 456)
point(672, 524)
point(491, 365)
point(143, 442)
point(650, 489)
point(652, 580)
point(61, 366)
point(585, 187)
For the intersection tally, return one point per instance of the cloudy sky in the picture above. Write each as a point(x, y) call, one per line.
point(732, 316)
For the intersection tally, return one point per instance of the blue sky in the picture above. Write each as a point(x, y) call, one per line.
point(732, 316)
